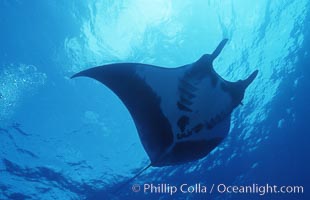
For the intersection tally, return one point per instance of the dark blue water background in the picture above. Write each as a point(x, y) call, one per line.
point(68, 139)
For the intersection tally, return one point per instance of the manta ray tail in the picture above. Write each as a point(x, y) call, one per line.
point(132, 178)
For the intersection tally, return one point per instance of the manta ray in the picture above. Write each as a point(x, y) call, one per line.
point(181, 114)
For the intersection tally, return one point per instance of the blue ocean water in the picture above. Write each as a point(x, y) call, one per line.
point(68, 139)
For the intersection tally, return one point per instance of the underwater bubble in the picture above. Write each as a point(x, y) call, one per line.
point(281, 123)
point(17, 80)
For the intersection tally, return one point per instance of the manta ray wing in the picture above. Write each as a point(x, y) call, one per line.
point(127, 81)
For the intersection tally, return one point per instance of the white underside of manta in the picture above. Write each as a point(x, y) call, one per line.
point(181, 114)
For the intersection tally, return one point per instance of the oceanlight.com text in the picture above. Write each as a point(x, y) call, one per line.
point(259, 189)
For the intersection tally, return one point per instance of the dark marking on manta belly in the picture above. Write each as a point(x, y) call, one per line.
point(188, 83)
point(183, 107)
point(185, 101)
point(196, 129)
point(217, 119)
point(186, 93)
point(183, 122)
point(184, 83)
